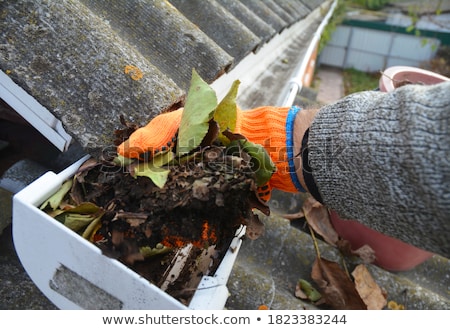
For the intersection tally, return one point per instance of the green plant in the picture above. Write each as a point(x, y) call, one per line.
point(357, 81)
point(339, 15)
point(375, 4)
point(440, 63)
point(335, 19)
point(414, 14)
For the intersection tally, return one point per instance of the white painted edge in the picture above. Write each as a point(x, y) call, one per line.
point(33, 112)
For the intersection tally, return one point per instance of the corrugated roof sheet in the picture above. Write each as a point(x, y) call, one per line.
point(71, 55)
point(256, 24)
point(166, 38)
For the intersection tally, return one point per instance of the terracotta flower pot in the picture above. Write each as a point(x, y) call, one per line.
point(397, 76)
point(391, 253)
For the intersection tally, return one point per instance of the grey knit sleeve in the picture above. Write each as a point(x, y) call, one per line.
point(384, 159)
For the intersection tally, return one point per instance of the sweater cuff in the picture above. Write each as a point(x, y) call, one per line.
point(307, 171)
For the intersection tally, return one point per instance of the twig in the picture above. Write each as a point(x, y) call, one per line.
point(316, 246)
point(293, 216)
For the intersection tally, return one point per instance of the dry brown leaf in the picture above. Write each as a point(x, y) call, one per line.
point(293, 216)
point(344, 247)
point(254, 227)
point(365, 252)
point(84, 169)
point(299, 293)
point(335, 286)
point(395, 306)
point(368, 289)
point(318, 218)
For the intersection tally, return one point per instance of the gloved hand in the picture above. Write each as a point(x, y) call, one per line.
point(271, 127)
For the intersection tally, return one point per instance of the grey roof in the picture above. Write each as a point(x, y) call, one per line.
point(70, 55)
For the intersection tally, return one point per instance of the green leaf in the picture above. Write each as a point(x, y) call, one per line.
point(76, 221)
point(157, 174)
point(80, 216)
point(201, 101)
point(162, 159)
point(226, 112)
point(84, 208)
point(87, 233)
point(262, 164)
point(55, 200)
point(149, 252)
point(122, 161)
point(153, 169)
point(309, 290)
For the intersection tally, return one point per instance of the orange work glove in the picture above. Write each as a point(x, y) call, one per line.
point(271, 127)
point(158, 135)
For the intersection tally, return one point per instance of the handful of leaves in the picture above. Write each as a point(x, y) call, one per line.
point(205, 122)
point(197, 193)
point(193, 197)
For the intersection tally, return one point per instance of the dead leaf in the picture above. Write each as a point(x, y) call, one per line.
point(299, 292)
point(211, 135)
point(395, 306)
point(318, 218)
point(132, 218)
point(84, 169)
point(77, 222)
point(92, 227)
point(255, 227)
point(335, 286)
point(55, 200)
point(259, 204)
point(200, 189)
point(121, 135)
point(84, 208)
point(368, 289)
point(117, 237)
point(293, 216)
point(131, 258)
point(233, 136)
point(344, 247)
point(365, 252)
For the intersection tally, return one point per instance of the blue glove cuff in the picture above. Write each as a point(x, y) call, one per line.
point(290, 146)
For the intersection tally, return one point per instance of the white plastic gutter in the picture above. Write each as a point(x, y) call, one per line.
point(296, 82)
point(33, 112)
point(254, 65)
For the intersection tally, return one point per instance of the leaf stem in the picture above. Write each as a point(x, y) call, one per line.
point(316, 246)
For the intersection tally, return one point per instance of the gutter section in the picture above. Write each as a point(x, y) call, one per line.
point(296, 82)
point(34, 113)
point(265, 76)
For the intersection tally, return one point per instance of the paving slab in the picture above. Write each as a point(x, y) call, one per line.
point(330, 84)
